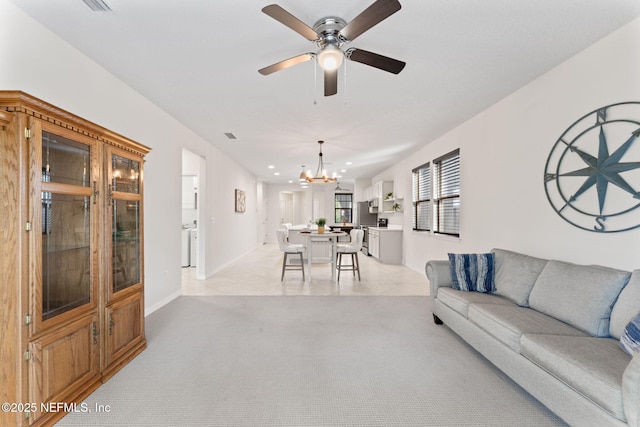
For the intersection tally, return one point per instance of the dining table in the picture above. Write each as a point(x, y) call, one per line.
point(326, 238)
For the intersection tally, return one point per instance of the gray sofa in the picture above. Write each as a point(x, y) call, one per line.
point(554, 328)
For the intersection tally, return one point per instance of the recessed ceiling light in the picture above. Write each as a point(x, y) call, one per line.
point(343, 170)
point(271, 167)
point(349, 163)
point(290, 182)
point(276, 173)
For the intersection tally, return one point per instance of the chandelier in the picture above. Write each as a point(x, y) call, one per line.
point(321, 176)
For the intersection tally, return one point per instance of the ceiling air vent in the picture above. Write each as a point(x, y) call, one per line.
point(98, 5)
point(230, 136)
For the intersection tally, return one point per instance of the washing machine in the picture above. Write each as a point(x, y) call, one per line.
point(186, 247)
point(193, 243)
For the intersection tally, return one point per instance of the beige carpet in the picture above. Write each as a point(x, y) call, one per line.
point(307, 361)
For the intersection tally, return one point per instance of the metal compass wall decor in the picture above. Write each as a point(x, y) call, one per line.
point(592, 175)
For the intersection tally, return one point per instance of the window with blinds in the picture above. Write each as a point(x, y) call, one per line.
point(422, 208)
point(447, 193)
point(343, 208)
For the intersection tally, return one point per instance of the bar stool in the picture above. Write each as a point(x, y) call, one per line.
point(350, 249)
point(290, 249)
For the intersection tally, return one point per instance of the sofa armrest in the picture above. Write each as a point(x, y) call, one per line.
point(631, 391)
point(439, 276)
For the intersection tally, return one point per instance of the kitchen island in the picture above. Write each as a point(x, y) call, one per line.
point(385, 244)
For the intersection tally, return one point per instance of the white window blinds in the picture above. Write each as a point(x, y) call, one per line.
point(447, 193)
point(422, 208)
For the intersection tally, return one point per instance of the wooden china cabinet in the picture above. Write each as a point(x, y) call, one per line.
point(72, 286)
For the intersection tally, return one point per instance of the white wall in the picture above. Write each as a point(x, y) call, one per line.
point(261, 213)
point(503, 151)
point(36, 61)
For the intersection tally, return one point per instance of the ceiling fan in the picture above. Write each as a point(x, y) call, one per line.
point(329, 34)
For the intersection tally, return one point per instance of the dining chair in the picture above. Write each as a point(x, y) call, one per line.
point(352, 248)
point(290, 249)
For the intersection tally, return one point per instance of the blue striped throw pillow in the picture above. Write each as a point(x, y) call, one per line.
point(630, 339)
point(472, 272)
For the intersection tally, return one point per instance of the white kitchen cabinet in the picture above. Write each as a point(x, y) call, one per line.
point(385, 244)
point(189, 192)
point(374, 242)
point(367, 194)
point(376, 190)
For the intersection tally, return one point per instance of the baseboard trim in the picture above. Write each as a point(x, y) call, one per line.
point(162, 303)
point(228, 263)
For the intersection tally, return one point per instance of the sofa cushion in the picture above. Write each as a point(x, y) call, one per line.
point(508, 322)
point(580, 295)
point(630, 339)
point(626, 307)
point(631, 391)
point(459, 300)
point(472, 272)
point(515, 275)
point(591, 366)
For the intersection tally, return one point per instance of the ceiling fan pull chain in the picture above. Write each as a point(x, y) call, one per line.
point(345, 83)
point(315, 83)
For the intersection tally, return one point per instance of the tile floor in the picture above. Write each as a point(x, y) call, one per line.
point(258, 273)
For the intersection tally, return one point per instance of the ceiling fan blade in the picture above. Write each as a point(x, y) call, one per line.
point(330, 83)
point(383, 63)
point(373, 15)
point(286, 63)
point(284, 17)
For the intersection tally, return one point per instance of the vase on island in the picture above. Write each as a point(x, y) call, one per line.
point(321, 222)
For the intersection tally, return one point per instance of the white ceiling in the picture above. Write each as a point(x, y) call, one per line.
point(199, 59)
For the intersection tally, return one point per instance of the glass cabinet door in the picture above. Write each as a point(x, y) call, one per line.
point(125, 211)
point(125, 174)
point(66, 226)
point(126, 244)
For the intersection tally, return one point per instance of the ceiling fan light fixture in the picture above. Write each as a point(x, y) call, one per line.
point(329, 34)
point(330, 57)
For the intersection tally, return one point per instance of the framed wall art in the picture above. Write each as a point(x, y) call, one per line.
point(240, 200)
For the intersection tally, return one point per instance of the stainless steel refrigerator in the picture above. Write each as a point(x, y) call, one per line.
point(363, 217)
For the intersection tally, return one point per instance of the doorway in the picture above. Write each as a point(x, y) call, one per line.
point(293, 207)
point(193, 210)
